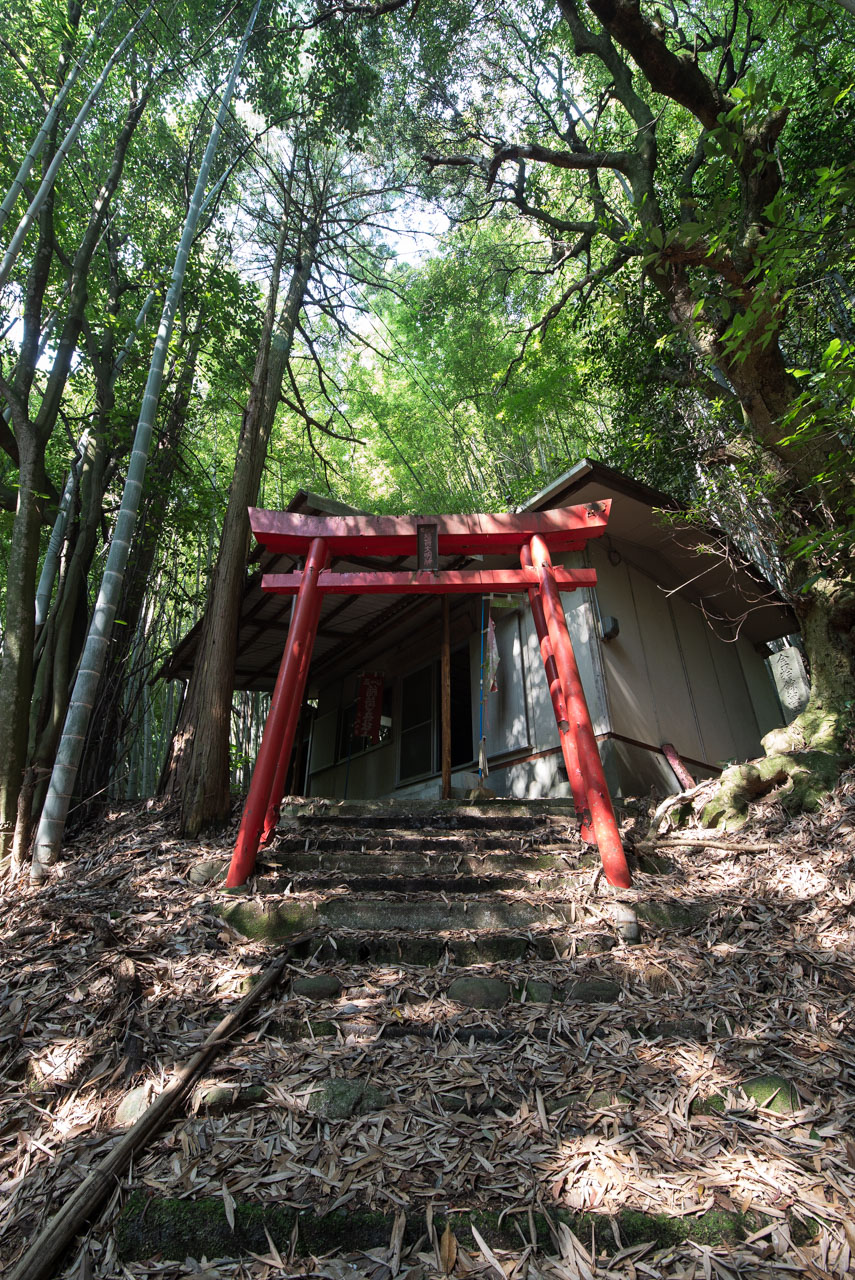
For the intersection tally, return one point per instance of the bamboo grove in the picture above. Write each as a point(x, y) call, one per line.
point(416, 256)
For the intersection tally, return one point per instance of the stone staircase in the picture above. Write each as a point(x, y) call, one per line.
point(430, 883)
point(461, 966)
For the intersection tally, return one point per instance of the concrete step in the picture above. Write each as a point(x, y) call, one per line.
point(419, 882)
point(412, 865)
point(506, 815)
point(277, 919)
point(402, 840)
point(379, 870)
point(421, 949)
point(447, 988)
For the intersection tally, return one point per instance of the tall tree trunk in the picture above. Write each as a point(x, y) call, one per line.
point(64, 775)
point(31, 436)
point(16, 673)
point(49, 122)
point(46, 185)
point(109, 726)
point(200, 765)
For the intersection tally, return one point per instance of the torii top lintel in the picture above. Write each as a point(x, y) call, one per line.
point(564, 529)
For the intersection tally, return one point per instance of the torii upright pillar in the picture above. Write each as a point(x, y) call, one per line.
point(287, 695)
point(531, 536)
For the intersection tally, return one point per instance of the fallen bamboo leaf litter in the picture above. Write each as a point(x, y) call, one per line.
point(763, 972)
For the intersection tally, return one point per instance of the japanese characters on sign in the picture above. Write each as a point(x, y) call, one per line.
point(428, 544)
point(369, 706)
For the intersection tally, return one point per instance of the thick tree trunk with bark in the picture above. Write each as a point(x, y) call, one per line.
point(199, 768)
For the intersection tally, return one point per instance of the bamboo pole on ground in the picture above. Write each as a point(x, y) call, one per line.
point(40, 1260)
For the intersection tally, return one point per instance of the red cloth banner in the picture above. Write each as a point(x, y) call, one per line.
point(369, 706)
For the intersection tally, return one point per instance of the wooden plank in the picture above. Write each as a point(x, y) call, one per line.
point(564, 529)
point(448, 581)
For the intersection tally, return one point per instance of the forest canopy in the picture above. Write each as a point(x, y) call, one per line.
point(417, 256)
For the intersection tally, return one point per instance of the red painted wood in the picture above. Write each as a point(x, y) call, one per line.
point(565, 529)
point(681, 773)
point(602, 817)
point(448, 581)
point(567, 738)
point(277, 786)
point(288, 691)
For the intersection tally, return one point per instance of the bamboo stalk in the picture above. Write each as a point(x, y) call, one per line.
point(39, 1262)
point(66, 764)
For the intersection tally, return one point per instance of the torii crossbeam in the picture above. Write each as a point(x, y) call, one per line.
point(532, 537)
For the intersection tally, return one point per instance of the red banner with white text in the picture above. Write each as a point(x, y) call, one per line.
point(369, 706)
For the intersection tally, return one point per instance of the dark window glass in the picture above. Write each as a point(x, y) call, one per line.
point(417, 698)
point(416, 753)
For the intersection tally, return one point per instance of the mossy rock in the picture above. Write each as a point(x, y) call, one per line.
point(341, 1099)
point(654, 864)
point(294, 1029)
point(669, 915)
point(770, 1092)
point(773, 1093)
point(598, 1100)
point(479, 993)
point(534, 992)
point(676, 1029)
point(320, 986)
point(207, 871)
point(132, 1106)
point(268, 923)
point(593, 991)
point(715, 1227)
point(248, 981)
point(175, 1229)
point(715, 1104)
point(221, 1099)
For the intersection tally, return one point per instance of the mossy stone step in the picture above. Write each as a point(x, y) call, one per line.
point(388, 862)
point(396, 841)
point(512, 815)
point(173, 1229)
point(278, 920)
point(357, 870)
point(317, 986)
point(420, 883)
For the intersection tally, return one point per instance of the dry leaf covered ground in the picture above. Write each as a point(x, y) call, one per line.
point(535, 1115)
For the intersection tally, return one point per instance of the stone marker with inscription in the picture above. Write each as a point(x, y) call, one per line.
point(788, 672)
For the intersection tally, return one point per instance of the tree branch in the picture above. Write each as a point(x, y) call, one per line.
point(580, 160)
point(676, 75)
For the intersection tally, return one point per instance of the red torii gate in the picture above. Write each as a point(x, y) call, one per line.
point(532, 537)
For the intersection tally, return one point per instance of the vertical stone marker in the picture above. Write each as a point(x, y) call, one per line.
point(791, 682)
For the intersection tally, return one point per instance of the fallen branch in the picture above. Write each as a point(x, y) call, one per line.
point(681, 798)
point(39, 1262)
point(699, 838)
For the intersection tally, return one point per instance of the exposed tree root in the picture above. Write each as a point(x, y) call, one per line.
point(803, 763)
point(797, 781)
